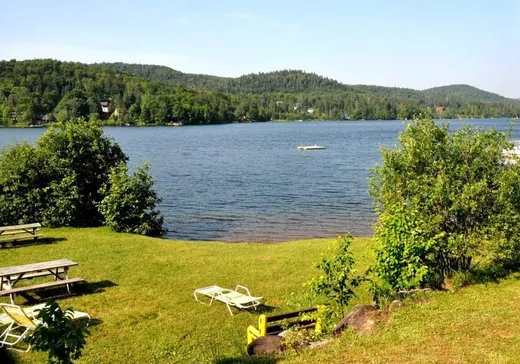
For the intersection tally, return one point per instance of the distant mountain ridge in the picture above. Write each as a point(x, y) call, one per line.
point(296, 81)
point(467, 92)
point(45, 90)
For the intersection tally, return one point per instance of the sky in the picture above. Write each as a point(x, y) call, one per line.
point(416, 44)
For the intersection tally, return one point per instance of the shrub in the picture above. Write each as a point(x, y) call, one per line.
point(63, 180)
point(129, 203)
point(444, 199)
point(58, 334)
point(57, 182)
point(335, 286)
point(23, 177)
point(79, 151)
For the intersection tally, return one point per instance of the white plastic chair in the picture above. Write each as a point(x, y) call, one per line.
point(232, 298)
point(20, 321)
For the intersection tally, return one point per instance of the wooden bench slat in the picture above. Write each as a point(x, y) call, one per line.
point(39, 274)
point(36, 267)
point(41, 286)
point(16, 232)
point(19, 238)
point(289, 315)
point(20, 227)
point(276, 329)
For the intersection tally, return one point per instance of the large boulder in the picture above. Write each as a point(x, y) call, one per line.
point(266, 345)
point(360, 319)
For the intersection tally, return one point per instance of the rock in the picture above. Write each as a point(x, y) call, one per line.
point(396, 304)
point(412, 292)
point(266, 345)
point(319, 343)
point(420, 301)
point(359, 319)
point(284, 333)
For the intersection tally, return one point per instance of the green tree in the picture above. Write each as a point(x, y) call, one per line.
point(130, 203)
point(65, 177)
point(22, 179)
point(80, 152)
point(34, 189)
point(443, 199)
point(73, 105)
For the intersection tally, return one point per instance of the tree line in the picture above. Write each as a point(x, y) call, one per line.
point(40, 91)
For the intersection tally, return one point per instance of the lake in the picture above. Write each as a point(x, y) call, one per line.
point(249, 182)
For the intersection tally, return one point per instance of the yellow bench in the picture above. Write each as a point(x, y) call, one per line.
point(273, 325)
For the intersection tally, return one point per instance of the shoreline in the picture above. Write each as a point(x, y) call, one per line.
point(249, 122)
point(268, 242)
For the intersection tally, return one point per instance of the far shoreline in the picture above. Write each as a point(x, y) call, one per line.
point(57, 124)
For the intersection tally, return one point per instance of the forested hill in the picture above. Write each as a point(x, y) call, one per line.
point(277, 81)
point(168, 75)
point(42, 91)
point(467, 92)
point(285, 81)
point(294, 81)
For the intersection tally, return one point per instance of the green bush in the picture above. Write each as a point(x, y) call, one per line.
point(444, 199)
point(79, 151)
point(57, 182)
point(59, 335)
point(23, 177)
point(129, 203)
point(335, 285)
point(63, 180)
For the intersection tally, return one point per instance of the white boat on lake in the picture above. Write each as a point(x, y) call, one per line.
point(310, 147)
point(512, 155)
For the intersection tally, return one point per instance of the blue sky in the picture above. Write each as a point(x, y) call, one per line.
point(417, 44)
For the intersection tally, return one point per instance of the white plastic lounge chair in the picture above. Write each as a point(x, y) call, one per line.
point(232, 298)
point(20, 321)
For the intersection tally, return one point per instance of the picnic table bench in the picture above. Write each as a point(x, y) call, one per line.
point(58, 269)
point(274, 325)
point(12, 234)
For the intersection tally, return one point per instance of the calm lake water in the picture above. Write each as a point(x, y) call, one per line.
point(248, 182)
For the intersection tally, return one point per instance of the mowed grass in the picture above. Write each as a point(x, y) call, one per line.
point(479, 324)
point(140, 294)
point(144, 303)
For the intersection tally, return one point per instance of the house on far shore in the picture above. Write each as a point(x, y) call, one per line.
point(42, 119)
point(440, 109)
point(310, 110)
point(105, 110)
point(105, 106)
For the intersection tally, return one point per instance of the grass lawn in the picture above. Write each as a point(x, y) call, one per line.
point(142, 301)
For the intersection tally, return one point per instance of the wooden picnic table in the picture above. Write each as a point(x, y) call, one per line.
point(30, 228)
point(58, 269)
point(19, 232)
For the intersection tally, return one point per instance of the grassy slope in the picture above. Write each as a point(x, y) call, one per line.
point(149, 314)
point(480, 324)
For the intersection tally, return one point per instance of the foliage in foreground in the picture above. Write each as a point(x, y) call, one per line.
point(444, 200)
point(165, 325)
point(129, 202)
point(335, 285)
point(59, 334)
point(80, 150)
point(60, 180)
